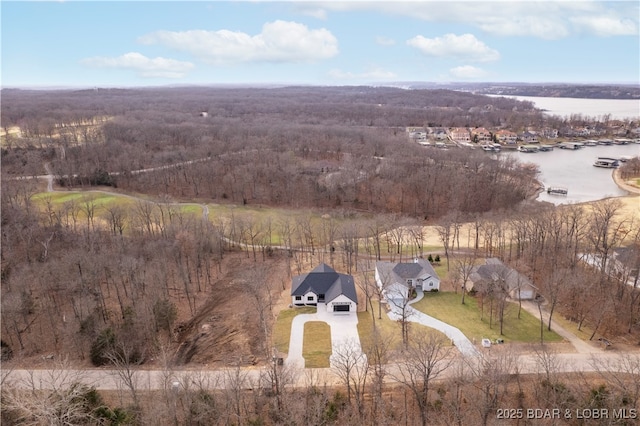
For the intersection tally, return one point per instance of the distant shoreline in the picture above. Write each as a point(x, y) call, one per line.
point(623, 184)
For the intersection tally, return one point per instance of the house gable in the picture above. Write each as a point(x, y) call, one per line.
point(322, 284)
point(397, 277)
point(517, 285)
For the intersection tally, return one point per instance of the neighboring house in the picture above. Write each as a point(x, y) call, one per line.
point(417, 133)
point(550, 133)
point(517, 285)
point(324, 285)
point(437, 133)
point(506, 137)
point(397, 278)
point(481, 135)
point(625, 264)
point(529, 137)
point(460, 134)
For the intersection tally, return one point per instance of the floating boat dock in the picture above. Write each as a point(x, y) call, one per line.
point(607, 163)
point(557, 190)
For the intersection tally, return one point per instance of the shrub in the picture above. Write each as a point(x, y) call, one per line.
point(7, 352)
point(164, 313)
point(104, 344)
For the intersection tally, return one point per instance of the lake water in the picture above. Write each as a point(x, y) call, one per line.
point(617, 108)
point(574, 170)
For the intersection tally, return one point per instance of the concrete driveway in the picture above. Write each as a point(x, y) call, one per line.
point(344, 328)
point(461, 341)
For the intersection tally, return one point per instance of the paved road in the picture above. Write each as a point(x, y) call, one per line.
point(344, 330)
point(106, 379)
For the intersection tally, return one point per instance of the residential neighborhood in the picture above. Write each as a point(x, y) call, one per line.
point(468, 136)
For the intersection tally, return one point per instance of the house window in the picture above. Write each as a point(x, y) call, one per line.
point(409, 282)
point(430, 283)
point(298, 297)
point(310, 298)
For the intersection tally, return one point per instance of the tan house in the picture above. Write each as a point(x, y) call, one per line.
point(481, 135)
point(506, 137)
point(460, 134)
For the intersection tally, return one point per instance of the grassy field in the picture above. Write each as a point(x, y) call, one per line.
point(282, 327)
point(316, 347)
point(446, 307)
point(269, 220)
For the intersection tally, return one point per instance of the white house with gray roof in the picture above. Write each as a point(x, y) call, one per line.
point(323, 285)
point(397, 278)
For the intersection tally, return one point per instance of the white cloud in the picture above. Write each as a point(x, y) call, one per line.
point(375, 74)
point(385, 41)
point(465, 46)
point(317, 13)
point(279, 41)
point(542, 19)
point(145, 67)
point(606, 26)
point(548, 28)
point(467, 72)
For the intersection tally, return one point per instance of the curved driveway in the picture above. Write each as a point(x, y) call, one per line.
point(461, 341)
point(344, 328)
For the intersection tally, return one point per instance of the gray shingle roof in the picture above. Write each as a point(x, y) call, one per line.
point(324, 280)
point(495, 270)
point(400, 272)
point(407, 270)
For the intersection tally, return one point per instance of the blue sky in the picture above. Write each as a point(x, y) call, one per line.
point(149, 43)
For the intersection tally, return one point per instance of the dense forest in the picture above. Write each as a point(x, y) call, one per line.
point(148, 280)
point(298, 147)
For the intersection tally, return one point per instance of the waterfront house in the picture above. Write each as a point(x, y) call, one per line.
point(460, 134)
point(528, 137)
point(481, 135)
point(506, 137)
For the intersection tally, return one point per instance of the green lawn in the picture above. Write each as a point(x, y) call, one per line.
point(388, 330)
point(316, 347)
point(446, 307)
point(191, 208)
point(99, 199)
point(282, 327)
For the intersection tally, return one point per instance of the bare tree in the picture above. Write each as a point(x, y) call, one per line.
point(464, 265)
point(423, 360)
point(351, 366)
point(55, 397)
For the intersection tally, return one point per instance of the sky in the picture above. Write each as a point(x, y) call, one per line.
point(156, 43)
